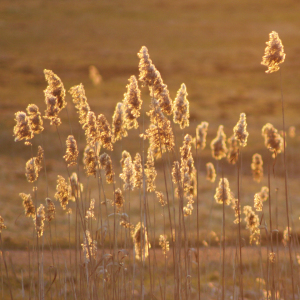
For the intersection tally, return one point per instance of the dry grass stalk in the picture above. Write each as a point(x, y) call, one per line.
point(39, 219)
point(223, 192)
point(150, 76)
point(54, 97)
point(62, 192)
point(22, 129)
point(71, 151)
point(35, 119)
point(274, 53)
point(257, 167)
point(218, 145)
point(132, 103)
point(273, 140)
point(181, 112)
point(28, 205)
point(141, 243)
point(94, 75)
point(240, 130)
point(119, 123)
point(201, 133)
point(210, 172)
point(2, 226)
point(50, 210)
point(164, 244)
point(252, 223)
point(233, 151)
point(106, 164)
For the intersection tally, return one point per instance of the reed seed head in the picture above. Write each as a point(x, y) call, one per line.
point(91, 127)
point(106, 164)
point(292, 132)
point(50, 210)
point(105, 132)
point(233, 151)
point(201, 133)
point(150, 172)
point(2, 226)
point(164, 244)
point(240, 130)
point(218, 145)
point(210, 172)
point(62, 192)
point(141, 243)
point(28, 205)
point(161, 198)
point(90, 212)
point(35, 118)
point(94, 75)
point(138, 171)
point(258, 204)
point(128, 174)
point(273, 140)
point(257, 167)
point(223, 192)
point(71, 151)
point(119, 200)
point(22, 129)
point(39, 219)
point(89, 247)
point(75, 188)
point(119, 123)
point(252, 223)
point(181, 108)
point(274, 53)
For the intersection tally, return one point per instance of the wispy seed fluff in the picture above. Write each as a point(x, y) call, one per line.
point(210, 172)
point(22, 129)
point(50, 210)
point(132, 103)
point(118, 123)
point(89, 247)
point(35, 118)
point(181, 108)
point(80, 101)
point(240, 130)
point(141, 243)
point(201, 133)
point(94, 75)
point(252, 223)
point(264, 193)
point(161, 198)
point(150, 172)
point(2, 226)
point(223, 192)
point(34, 165)
point(164, 243)
point(106, 164)
point(152, 78)
point(273, 140)
point(218, 145)
point(62, 192)
point(39, 219)
point(75, 188)
point(54, 97)
point(233, 151)
point(258, 204)
point(127, 174)
point(90, 159)
point(119, 200)
point(257, 167)
point(90, 212)
point(105, 132)
point(274, 53)
point(138, 171)
point(28, 205)
point(71, 151)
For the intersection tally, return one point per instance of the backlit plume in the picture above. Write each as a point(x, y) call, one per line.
point(71, 151)
point(181, 108)
point(127, 174)
point(119, 200)
point(252, 223)
point(150, 76)
point(257, 167)
point(34, 165)
point(28, 205)
point(90, 159)
point(150, 172)
point(273, 140)
point(118, 123)
point(62, 192)
point(164, 244)
point(22, 129)
point(92, 132)
point(105, 132)
point(106, 164)
point(35, 118)
point(138, 171)
point(141, 243)
point(132, 103)
point(210, 172)
point(50, 210)
point(233, 151)
point(218, 145)
point(2, 226)
point(223, 192)
point(201, 133)
point(240, 130)
point(274, 53)
point(54, 97)
point(39, 219)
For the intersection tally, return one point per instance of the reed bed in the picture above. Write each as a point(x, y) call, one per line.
point(139, 223)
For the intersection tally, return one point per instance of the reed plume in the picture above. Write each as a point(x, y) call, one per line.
point(105, 132)
point(218, 145)
point(71, 151)
point(141, 243)
point(164, 244)
point(91, 127)
point(181, 108)
point(34, 165)
point(188, 209)
point(94, 75)
point(2, 226)
point(210, 172)
point(54, 97)
point(132, 103)
point(287, 233)
point(240, 130)
point(90, 160)
point(273, 140)
point(292, 132)
point(39, 219)
point(252, 223)
point(274, 53)
point(119, 123)
point(257, 167)
point(62, 192)
point(150, 76)
point(28, 205)
point(264, 193)
point(79, 99)
point(50, 210)
point(35, 119)
point(161, 198)
point(150, 172)
point(106, 164)
point(90, 212)
point(258, 204)
point(201, 133)
point(75, 188)
point(127, 174)
point(22, 129)
point(138, 171)
point(233, 150)
point(89, 247)
point(223, 192)
point(119, 200)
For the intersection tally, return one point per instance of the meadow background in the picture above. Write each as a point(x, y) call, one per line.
point(214, 47)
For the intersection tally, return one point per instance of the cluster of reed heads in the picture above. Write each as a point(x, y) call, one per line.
point(115, 253)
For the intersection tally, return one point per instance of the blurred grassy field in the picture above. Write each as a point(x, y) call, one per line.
point(214, 47)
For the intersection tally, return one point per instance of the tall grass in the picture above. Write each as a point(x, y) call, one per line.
point(133, 232)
